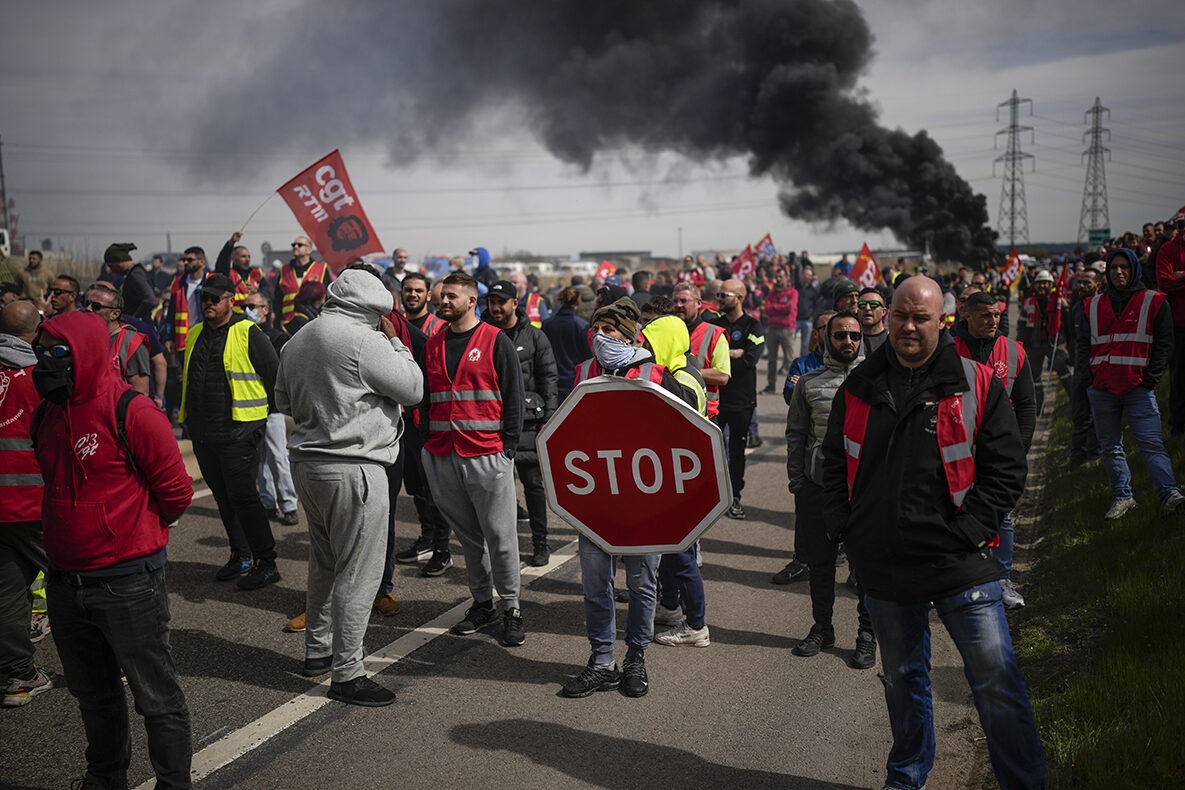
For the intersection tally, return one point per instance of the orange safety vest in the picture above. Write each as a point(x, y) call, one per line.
point(704, 338)
point(122, 345)
point(1120, 347)
point(289, 285)
point(465, 413)
point(957, 445)
point(650, 371)
point(244, 287)
point(533, 300)
point(1006, 359)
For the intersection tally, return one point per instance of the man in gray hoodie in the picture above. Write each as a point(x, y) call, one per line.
point(343, 379)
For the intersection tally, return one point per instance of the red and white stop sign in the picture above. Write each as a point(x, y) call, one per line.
point(633, 468)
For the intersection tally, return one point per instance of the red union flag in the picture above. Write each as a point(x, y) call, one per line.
point(864, 271)
point(744, 265)
point(1063, 281)
point(326, 206)
point(1010, 273)
point(765, 247)
point(605, 269)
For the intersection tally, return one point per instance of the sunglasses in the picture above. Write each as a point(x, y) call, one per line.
point(60, 291)
point(95, 306)
point(871, 305)
point(59, 351)
point(190, 259)
point(299, 244)
point(213, 298)
point(840, 335)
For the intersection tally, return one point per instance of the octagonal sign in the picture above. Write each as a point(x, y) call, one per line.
point(634, 468)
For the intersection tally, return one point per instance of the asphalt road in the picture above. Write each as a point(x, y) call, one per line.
point(744, 712)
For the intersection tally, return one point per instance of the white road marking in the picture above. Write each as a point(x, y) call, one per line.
point(238, 743)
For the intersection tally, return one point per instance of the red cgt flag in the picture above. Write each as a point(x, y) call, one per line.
point(744, 264)
point(765, 247)
point(864, 271)
point(1010, 273)
point(605, 269)
point(326, 206)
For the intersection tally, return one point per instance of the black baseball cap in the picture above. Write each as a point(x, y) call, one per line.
point(503, 289)
point(217, 284)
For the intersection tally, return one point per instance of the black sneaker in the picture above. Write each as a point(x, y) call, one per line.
point(261, 575)
point(541, 556)
point(820, 638)
point(476, 618)
point(734, 511)
point(634, 681)
point(289, 519)
point(417, 552)
point(793, 572)
point(513, 634)
point(361, 691)
point(522, 513)
point(865, 655)
point(441, 561)
point(235, 567)
point(316, 666)
point(592, 678)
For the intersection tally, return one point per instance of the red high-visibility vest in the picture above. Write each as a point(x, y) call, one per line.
point(243, 287)
point(1120, 347)
point(1052, 320)
point(289, 285)
point(957, 445)
point(650, 371)
point(704, 338)
point(122, 345)
point(433, 324)
point(1006, 359)
point(465, 413)
point(533, 300)
point(181, 323)
point(21, 485)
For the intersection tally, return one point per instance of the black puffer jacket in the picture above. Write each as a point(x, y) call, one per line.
point(539, 381)
point(903, 534)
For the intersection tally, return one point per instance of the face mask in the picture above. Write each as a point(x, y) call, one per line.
point(54, 379)
point(253, 315)
point(610, 352)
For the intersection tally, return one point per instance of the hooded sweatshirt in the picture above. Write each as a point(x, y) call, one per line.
point(106, 506)
point(810, 408)
point(1162, 325)
point(669, 340)
point(343, 381)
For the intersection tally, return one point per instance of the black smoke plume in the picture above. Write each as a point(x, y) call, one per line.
point(772, 80)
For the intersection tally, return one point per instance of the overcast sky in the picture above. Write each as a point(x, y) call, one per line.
point(121, 121)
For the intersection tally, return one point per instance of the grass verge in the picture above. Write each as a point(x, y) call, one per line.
point(1099, 638)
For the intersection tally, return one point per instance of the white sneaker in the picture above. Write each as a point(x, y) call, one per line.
point(1119, 507)
point(1012, 599)
point(665, 616)
point(1173, 503)
point(685, 635)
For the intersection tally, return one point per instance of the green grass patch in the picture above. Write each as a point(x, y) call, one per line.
point(1100, 636)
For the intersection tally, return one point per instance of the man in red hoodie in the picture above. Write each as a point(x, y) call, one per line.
point(781, 307)
point(112, 486)
point(1170, 278)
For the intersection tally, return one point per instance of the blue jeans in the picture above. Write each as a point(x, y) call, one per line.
point(1143, 417)
point(600, 612)
point(681, 579)
point(276, 490)
point(1003, 552)
point(804, 327)
point(975, 620)
point(123, 625)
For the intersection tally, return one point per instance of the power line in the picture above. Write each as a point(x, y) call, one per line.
point(1014, 213)
point(1094, 223)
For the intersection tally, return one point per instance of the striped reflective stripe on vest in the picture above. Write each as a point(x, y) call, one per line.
point(701, 354)
point(1141, 335)
point(1013, 363)
point(20, 480)
point(584, 371)
point(18, 444)
point(964, 448)
point(459, 395)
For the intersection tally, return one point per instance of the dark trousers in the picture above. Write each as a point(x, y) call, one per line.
point(433, 527)
point(394, 483)
point(681, 580)
point(230, 470)
point(21, 557)
point(1084, 443)
point(531, 477)
point(820, 552)
point(122, 625)
point(737, 423)
point(1177, 380)
point(1042, 356)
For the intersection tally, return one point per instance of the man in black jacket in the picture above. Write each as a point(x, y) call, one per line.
point(139, 297)
point(738, 398)
point(537, 361)
point(227, 421)
point(922, 459)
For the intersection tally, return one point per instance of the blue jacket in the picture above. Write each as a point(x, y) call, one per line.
point(804, 364)
point(568, 334)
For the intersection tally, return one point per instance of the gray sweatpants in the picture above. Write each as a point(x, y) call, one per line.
point(476, 497)
point(346, 506)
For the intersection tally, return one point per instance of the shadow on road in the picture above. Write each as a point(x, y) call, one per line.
point(620, 763)
point(194, 581)
point(199, 654)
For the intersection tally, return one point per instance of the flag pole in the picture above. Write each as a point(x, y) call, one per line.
point(256, 211)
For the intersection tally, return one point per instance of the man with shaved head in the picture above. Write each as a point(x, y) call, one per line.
point(922, 460)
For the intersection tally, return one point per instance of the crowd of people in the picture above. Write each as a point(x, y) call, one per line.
point(910, 413)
